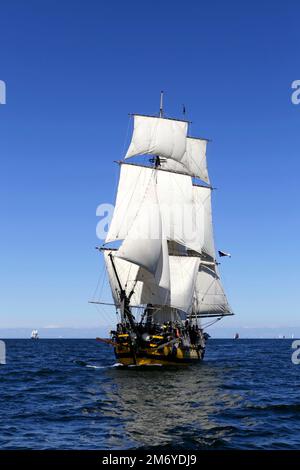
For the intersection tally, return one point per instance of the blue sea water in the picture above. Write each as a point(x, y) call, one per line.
point(67, 394)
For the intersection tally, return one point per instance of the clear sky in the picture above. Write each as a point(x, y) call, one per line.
point(74, 70)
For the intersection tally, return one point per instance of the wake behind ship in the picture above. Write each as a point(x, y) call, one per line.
point(164, 274)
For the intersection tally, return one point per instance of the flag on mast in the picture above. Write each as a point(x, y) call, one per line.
point(223, 253)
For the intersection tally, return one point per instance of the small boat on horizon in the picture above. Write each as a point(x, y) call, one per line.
point(34, 334)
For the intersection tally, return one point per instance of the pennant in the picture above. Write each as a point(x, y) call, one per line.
point(222, 253)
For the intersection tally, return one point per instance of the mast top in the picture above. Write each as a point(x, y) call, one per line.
point(161, 111)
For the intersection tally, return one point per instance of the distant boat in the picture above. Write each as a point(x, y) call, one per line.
point(34, 334)
point(236, 336)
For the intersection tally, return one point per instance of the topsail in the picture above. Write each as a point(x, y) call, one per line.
point(193, 162)
point(168, 139)
point(158, 136)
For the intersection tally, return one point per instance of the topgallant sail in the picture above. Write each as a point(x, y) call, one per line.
point(163, 273)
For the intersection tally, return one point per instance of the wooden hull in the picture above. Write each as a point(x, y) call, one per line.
point(162, 357)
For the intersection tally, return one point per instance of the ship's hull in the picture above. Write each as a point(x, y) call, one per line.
point(162, 357)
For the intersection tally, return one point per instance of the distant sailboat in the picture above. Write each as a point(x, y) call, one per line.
point(34, 334)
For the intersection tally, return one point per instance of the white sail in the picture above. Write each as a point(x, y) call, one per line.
point(133, 184)
point(180, 294)
point(165, 314)
point(184, 270)
point(210, 298)
point(143, 243)
point(158, 136)
point(180, 221)
point(167, 255)
point(193, 161)
point(132, 277)
point(175, 197)
point(202, 202)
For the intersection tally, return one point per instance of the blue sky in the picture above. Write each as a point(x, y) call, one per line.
point(74, 70)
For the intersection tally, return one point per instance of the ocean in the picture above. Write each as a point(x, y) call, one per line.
point(69, 394)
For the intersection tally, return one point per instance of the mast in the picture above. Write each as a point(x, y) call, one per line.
point(161, 111)
point(125, 309)
point(156, 161)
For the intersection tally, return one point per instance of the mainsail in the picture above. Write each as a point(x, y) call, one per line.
point(163, 220)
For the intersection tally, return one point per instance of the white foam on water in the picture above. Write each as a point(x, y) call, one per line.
point(96, 367)
point(91, 366)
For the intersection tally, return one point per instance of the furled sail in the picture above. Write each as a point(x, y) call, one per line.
point(158, 136)
point(193, 161)
point(209, 298)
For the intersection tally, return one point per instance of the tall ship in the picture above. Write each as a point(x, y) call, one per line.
point(34, 334)
point(159, 250)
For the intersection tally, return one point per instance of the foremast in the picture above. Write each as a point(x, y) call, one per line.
point(124, 299)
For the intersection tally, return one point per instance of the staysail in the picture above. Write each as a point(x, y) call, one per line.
point(210, 298)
